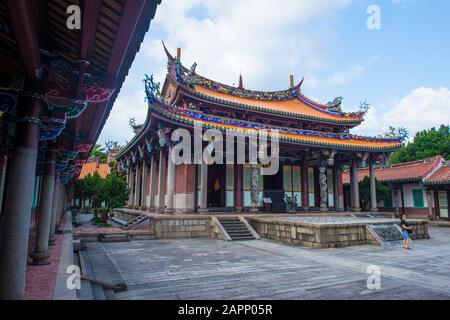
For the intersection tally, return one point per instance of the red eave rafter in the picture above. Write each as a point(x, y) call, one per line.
point(23, 23)
point(129, 20)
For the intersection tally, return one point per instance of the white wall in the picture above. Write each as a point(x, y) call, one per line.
point(408, 194)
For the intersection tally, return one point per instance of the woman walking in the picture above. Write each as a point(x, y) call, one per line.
point(406, 230)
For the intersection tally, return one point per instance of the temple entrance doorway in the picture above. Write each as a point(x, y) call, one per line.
point(274, 189)
point(216, 186)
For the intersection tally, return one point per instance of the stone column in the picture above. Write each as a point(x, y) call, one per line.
point(54, 211)
point(152, 186)
point(144, 186)
point(305, 187)
point(399, 200)
point(170, 183)
point(137, 187)
point(162, 181)
point(430, 204)
point(18, 201)
point(131, 186)
point(3, 162)
point(254, 188)
point(323, 188)
point(395, 200)
point(40, 254)
point(337, 201)
point(355, 187)
point(238, 205)
point(203, 204)
point(373, 187)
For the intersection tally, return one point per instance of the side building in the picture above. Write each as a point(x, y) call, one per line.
point(418, 188)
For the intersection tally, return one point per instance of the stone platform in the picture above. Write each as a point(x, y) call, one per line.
point(310, 229)
point(328, 231)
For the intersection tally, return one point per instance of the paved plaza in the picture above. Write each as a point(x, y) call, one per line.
point(261, 269)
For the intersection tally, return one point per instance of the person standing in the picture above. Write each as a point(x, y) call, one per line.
point(406, 230)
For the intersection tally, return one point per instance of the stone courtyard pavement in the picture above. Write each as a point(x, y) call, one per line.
point(261, 269)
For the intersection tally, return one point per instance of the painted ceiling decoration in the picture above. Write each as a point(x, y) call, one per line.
point(51, 128)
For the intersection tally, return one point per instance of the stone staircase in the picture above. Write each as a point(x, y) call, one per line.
point(127, 225)
point(236, 229)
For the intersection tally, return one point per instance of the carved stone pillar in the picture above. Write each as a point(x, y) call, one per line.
point(323, 188)
point(254, 188)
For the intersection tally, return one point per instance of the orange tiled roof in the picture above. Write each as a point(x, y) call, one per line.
point(91, 167)
point(301, 107)
point(408, 171)
point(290, 106)
point(440, 176)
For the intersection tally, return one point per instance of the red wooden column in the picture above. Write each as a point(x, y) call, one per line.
point(238, 190)
point(305, 187)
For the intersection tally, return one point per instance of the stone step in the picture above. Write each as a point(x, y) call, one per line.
point(135, 221)
point(236, 229)
point(114, 238)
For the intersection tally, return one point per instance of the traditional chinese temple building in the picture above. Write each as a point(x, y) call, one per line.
point(418, 188)
point(57, 87)
point(314, 145)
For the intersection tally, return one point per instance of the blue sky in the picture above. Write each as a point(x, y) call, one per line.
point(402, 70)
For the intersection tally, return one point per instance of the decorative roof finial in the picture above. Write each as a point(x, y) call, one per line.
point(241, 85)
point(291, 81)
point(179, 53)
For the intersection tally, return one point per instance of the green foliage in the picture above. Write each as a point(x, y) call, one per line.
point(400, 133)
point(364, 192)
point(86, 188)
point(106, 194)
point(98, 152)
point(426, 143)
point(114, 191)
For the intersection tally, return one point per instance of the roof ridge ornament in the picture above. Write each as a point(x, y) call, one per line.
point(241, 84)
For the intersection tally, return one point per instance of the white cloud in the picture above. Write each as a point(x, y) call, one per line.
point(265, 40)
point(125, 107)
point(422, 108)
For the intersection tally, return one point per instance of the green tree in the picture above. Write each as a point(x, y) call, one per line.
point(98, 152)
point(364, 192)
point(113, 191)
point(426, 143)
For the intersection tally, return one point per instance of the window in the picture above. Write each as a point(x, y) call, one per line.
point(418, 198)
